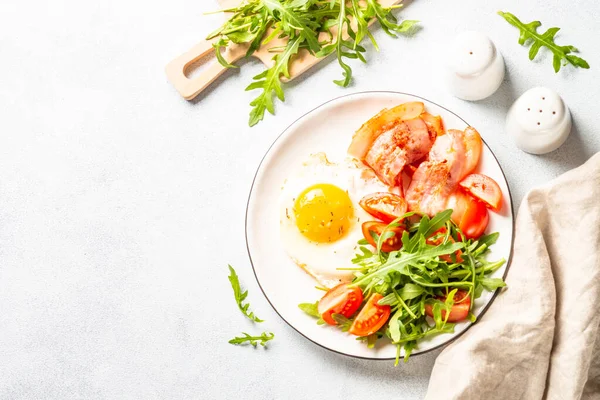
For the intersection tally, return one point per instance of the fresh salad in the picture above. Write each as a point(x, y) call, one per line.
point(413, 278)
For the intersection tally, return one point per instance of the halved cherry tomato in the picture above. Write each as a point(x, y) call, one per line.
point(469, 214)
point(391, 244)
point(438, 238)
point(473, 147)
point(340, 299)
point(483, 188)
point(460, 309)
point(435, 125)
point(371, 318)
point(384, 206)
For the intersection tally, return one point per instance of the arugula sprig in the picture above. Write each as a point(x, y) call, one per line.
point(253, 340)
point(562, 54)
point(300, 23)
point(241, 296)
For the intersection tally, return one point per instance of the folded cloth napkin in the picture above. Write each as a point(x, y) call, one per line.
point(540, 338)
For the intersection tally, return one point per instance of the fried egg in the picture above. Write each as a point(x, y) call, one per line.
point(320, 218)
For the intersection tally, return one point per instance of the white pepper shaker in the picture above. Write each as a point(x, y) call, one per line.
point(539, 121)
point(474, 66)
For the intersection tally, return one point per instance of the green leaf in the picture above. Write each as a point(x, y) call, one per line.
point(394, 326)
point(410, 291)
point(488, 240)
point(241, 296)
point(437, 222)
point(491, 284)
point(389, 300)
point(404, 260)
point(546, 39)
point(312, 309)
point(252, 340)
point(270, 82)
point(294, 22)
point(218, 45)
point(343, 322)
point(366, 258)
point(371, 340)
point(408, 348)
point(478, 290)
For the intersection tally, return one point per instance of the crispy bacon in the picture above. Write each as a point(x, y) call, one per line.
point(403, 144)
point(452, 157)
point(385, 120)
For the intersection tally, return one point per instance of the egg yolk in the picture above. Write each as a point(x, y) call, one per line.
point(323, 212)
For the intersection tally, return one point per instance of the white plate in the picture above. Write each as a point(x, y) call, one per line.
point(329, 128)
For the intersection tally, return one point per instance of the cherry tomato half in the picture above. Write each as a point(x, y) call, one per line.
point(460, 309)
point(340, 299)
point(438, 238)
point(483, 188)
point(391, 244)
point(384, 206)
point(469, 214)
point(371, 318)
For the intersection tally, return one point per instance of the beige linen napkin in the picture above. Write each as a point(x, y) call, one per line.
point(539, 339)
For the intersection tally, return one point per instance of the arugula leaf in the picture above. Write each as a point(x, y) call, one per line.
point(343, 322)
point(312, 309)
point(346, 48)
point(296, 22)
point(403, 260)
point(491, 284)
point(366, 258)
point(394, 326)
point(488, 240)
point(562, 54)
point(410, 291)
point(253, 340)
point(408, 348)
point(437, 222)
point(270, 81)
point(372, 340)
point(241, 296)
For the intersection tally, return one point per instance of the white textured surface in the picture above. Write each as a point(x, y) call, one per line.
point(121, 203)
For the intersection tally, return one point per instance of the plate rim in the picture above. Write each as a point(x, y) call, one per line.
point(453, 338)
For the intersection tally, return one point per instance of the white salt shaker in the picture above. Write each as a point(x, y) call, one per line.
point(539, 121)
point(474, 67)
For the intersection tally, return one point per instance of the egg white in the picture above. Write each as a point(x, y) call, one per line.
point(322, 260)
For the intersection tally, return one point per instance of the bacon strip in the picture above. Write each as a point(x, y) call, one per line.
point(385, 120)
point(403, 144)
point(452, 157)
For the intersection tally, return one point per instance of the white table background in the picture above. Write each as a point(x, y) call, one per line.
point(121, 204)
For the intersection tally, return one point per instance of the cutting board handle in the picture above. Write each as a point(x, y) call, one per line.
point(191, 87)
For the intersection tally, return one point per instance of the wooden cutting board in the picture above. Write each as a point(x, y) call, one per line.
point(189, 88)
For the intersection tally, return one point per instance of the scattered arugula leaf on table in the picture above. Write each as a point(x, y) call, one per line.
point(562, 54)
point(253, 340)
point(241, 296)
